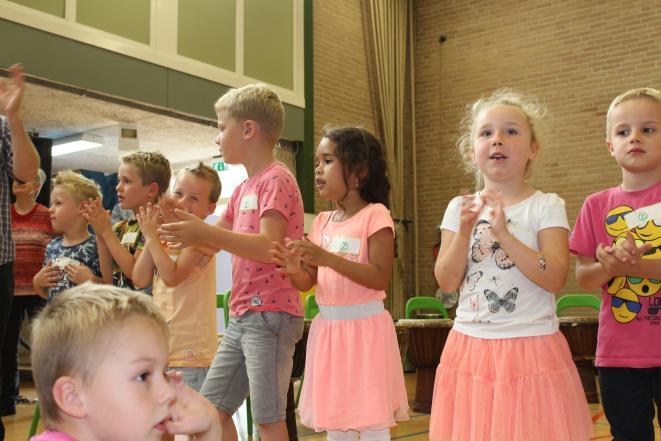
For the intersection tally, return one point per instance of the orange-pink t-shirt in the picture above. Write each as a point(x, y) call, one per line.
point(257, 286)
point(349, 240)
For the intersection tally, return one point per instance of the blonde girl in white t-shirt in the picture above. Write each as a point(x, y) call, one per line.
point(506, 372)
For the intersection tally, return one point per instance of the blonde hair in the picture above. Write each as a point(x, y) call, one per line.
point(39, 181)
point(254, 102)
point(208, 174)
point(151, 167)
point(71, 333)
point(532, 110)
point(641, 92)
point(77, 186)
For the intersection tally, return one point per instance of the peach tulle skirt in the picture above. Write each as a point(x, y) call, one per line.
point(514, 389)
point(353, 375)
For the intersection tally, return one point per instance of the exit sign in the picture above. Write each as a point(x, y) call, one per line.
point(220, 166)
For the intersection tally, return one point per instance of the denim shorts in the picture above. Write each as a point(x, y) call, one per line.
point(193, 376)
point(255, 356)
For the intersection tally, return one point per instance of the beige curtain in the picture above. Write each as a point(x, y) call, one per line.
point(389, 21)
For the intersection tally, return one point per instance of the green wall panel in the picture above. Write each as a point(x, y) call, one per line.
point(126, 18)
point(192, 94)
point(207, 31)
point(53, 7)
point(80, 65)
point(268, 41)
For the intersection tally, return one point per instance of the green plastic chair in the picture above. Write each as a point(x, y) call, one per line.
point(311, 309)
point(425, 302)
point(577, 301)
point(35, 421)
point(225, 299)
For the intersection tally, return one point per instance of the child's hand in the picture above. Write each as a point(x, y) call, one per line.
point(148, 220)
point(470, 211)
point(47, 277)
point(98, 218)
point(167, 205)
point(497, 218)
point(11, 93)
point(191, 413)
point(189, 231)
point(310, 253)
point(78, 274)
point(628, 252)
point(288, 262)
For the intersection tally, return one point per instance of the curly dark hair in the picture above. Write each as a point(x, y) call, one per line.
point(361, 154)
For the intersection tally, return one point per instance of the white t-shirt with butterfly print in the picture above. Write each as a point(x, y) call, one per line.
point(495, 299)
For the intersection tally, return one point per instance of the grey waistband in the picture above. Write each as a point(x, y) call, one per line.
point(350, 312)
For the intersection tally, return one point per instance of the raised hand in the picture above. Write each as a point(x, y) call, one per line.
point(148, 220)
point(191, 413)
point(47, 277)
point(469, 214)
point(497, 218)
point(98, 218)
point(310, 253)
point(11, 92)
point(628, 252)
point(167, 205)
point(78, 273)
point(189, 231)
point(287, 261)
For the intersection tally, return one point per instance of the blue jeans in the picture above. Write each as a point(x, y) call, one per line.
point(255, 355)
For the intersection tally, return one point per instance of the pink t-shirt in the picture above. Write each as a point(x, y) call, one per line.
point(630, 316)
point(258, 286)
point(52, 436)
point(349, 240)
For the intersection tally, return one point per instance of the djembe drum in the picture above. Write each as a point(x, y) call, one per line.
point(581, 335)
point(296, 372)
point(425, 341)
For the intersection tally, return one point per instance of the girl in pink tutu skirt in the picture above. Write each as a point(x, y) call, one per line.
point(354, 383)
point(506, 373)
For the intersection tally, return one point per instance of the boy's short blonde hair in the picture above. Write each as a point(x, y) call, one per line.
point(77, 186)
point(71, 333)
point(254, 102)
point(641, 92)
point(534, 112)
point(208, 174)
point(151, 167)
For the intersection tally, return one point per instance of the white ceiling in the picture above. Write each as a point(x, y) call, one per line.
point(55, 113)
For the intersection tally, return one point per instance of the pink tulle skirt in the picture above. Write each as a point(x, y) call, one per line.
point(514, 389)
point(353, 375)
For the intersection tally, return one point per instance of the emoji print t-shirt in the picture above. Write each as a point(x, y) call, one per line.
point(630, 316)
point(348, 239)
point(495, 299)
point(257, 286)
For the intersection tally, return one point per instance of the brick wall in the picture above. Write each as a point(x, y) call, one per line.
point(342, 91)
point(576, 56)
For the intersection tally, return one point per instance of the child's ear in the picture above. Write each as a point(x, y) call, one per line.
point(211, 208)
point(534, 148)
point(67, 395)
point(249, 129)
point(152, 189)
point(609, 145)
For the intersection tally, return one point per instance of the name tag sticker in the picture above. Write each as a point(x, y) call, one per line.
point(640, 217)
point(249, 202)
point(349, 245)
point(129, 238)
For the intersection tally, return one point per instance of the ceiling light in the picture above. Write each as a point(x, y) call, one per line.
point(76, 143)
